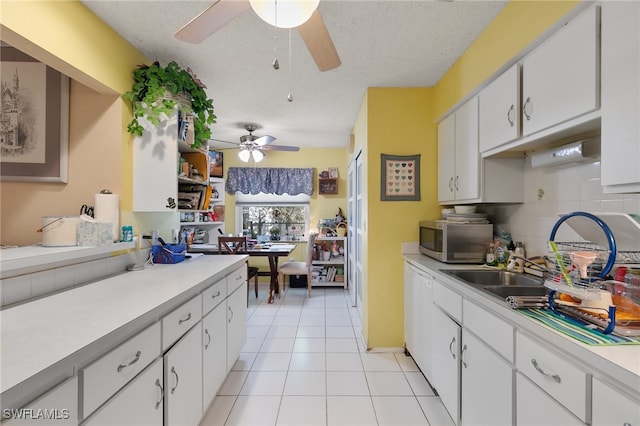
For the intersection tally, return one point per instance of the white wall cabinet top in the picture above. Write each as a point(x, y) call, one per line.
point(560, 78)
point(499, 121)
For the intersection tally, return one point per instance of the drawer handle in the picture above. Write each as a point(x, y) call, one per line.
point(541, 371)
point(213, 296)
point(510, 113)
point(231, 312)
point(188, 317)
point(526, 109)
point(159, 385)
point(464, 349)
point(136, 359)
point(173, 370)
point(450, 345)
point(209, 338)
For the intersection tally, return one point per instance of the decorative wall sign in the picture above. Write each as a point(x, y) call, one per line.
point(34, 118)
point(400, 177)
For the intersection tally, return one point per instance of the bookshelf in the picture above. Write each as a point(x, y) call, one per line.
point(329, 264)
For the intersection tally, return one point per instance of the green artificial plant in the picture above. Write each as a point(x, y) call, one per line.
point(148, 101)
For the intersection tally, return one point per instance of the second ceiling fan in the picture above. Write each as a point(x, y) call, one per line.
point(252, 147)
point(313, 31)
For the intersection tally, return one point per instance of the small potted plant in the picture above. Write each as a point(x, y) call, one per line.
point(275, 233)
point(156, 90)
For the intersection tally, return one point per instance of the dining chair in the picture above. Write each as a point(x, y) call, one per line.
point(298, 268)
point(238, 245)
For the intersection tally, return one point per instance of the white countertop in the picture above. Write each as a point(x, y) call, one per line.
point(38, 334)
point(621, 362)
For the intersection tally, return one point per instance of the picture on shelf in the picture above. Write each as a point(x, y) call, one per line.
point(216, 160)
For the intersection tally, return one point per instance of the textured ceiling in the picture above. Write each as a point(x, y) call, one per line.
point(380, 43)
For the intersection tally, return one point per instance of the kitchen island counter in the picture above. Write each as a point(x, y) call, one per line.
point(48, 339)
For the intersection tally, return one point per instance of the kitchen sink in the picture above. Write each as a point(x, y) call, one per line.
point(504, 291)
point(493, 277)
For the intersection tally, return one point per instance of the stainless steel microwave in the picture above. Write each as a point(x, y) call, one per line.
point(451, 242)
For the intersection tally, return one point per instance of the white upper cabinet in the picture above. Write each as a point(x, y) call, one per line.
point(560, 77)
point(620, 135)
point(500, 110)
point(458, 156)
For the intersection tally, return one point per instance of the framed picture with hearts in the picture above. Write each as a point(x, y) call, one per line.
point(399, 177)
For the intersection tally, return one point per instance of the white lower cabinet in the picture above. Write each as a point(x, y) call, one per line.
point(446, 362)
point(612, 408)
point(183, 380)
point(59, 406)
point(214, 352)
point(140, 403)
point(487, 385)
point(236, 325)
point(534, 407)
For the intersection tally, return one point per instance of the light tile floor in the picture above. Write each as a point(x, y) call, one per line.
point(305, 363)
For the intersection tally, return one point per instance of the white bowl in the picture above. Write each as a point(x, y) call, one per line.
point(446, 212)
point(465, 209)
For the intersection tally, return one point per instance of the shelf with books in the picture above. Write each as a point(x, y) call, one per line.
point(329, 262)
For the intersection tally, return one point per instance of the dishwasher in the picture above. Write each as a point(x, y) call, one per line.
point(419, 307)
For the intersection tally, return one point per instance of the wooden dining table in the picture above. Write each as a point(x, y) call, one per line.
point(272, 251)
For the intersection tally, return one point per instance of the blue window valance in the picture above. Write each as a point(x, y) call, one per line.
point(270, 180)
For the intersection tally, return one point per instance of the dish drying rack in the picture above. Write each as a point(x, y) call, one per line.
point(580, 271)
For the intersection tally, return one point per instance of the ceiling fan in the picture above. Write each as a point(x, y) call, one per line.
point(253, 147)
point(313, 31)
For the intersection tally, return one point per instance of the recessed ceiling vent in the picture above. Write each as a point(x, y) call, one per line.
point(581, 151)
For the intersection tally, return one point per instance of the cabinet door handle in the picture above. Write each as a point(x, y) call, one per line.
point(231, 312)
point(526, 108)
point(450, 345)
point(206, 331)
point(159, 385)
point(544, 373)
point(511, 113)
point(451, 184)
point(187, 318)
point(464, 349)
point(173, 370)
point(213, 296)
point(456, 183)
point(123, 366)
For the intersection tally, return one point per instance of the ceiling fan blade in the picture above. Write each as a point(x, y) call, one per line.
point(318, 41)
point(211, 20)
point(221, 141)
point(263, 140)
point(279, 148)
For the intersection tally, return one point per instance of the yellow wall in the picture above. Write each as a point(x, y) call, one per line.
point(395, 117)
point(321, 206)
point(70, 38)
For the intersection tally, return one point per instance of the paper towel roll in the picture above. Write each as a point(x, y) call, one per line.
point(107, 209)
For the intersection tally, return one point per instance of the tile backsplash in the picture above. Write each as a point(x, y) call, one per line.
point(551, 191)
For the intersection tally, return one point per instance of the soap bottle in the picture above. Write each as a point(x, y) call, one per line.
point(500, 257)
point(519, 251)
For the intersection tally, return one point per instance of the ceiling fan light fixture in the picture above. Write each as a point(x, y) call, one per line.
point(291, 13)
point(257, 155)
point(244, 155)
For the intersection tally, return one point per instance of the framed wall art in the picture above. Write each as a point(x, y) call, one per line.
point(34, 117)
point(400, 177)
point(216, 163)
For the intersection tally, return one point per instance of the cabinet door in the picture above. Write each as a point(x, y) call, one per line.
point(446, 362)
point(620, 96)
point(155, 177)
point(560, 77)
point(534, 407)
point(139, 403)
point(481, 366)
point(236, 325)
point(214, 352)
point(467, 164)
point(446, 158)
point(499, 110)
point(610, 407)
point(183, 380)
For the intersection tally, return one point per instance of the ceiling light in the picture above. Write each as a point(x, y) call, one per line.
point(257, 155)
point(244, 155)
point(289, 13)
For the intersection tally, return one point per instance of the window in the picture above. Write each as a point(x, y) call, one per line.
point(272, 217)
